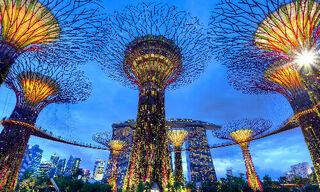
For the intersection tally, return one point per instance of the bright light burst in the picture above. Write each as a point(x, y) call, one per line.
point(306, 59)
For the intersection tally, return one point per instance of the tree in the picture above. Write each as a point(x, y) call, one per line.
point(235, 184)
point(147, 186)
point(210, 186)
point(140, 187)
point(27, 174)
point(271, 186)
point(283, 180)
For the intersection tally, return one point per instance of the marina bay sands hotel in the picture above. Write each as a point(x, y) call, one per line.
point(199, 162)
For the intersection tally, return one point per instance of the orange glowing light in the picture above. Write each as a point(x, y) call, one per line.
point(177, 137)
point(35, 91)
point(242, 136)
point(287, 76)
point(116, 146)
point(25, 22)
point(289, 29)
point(152, 60)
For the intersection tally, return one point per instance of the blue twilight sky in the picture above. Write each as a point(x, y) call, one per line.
point(209, 98)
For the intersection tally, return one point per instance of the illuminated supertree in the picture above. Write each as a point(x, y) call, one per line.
point(116, 147)
point(152, 47)
point(242, 132)
point(64, 30)
point(272, 46)
point(177, 137)
point(35, 86)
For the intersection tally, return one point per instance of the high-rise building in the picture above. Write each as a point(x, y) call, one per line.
point(69, 166)
point(229, 172)
point(54, 162)
point(98, 169)
point(72, 165)
point(44, 169)
point(31, 160)
point(301, 169)
point(199, 163)
point(60, 167)
point(77, 162)
point(289, 175)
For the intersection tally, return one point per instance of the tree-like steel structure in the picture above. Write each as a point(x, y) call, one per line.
point(152, 47)
point(272, 46)
point(242, 132)
point(177, 137)
point(35, 85)
point(64, 29)
point(116, 147)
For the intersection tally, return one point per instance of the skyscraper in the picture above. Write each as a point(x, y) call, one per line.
point(77, 162)
point(44, 169)
point(60, 167)
point(31, 160)
point(98, 169)
point(301, 169)
point(199, 163)
point(54, 162)
point(229, 172)
point(72, 165)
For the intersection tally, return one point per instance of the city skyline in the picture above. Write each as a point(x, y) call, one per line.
point(209, 98)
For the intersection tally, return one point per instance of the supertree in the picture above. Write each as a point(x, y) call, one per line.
point(152, 47)
point(242, 132)
point(272, 46)
point(64, 29)
point(36, 85)
point(116, 147)
point(177, 137)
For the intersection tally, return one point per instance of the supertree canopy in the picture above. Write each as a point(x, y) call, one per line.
point(152, 47)
point(64, 30)
point(36, 85)
point(272, 46)
point(242, 132)
point(177, 137)
point(116, 147)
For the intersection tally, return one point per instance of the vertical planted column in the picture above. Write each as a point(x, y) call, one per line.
point(116, 147)
point(177, 137)
point(14, 138)
point(252, 177)
point(255, 33)
point(242, 132)
point(286, 75)
point(35, 87)
point(13, 142)
point(243, 136)
point(149, 160)
point(152, 47)
point(309, 121)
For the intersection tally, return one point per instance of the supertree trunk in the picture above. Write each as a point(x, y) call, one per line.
point(114, 172)
point(178, 171)
point(310, 126)
point(149, 161)
point(13, 142)
point(309, 121)
point(252, 177)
